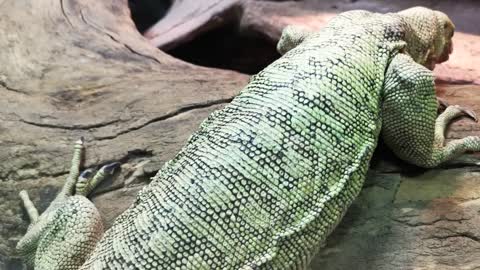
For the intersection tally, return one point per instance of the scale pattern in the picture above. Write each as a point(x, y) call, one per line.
point(265, 180)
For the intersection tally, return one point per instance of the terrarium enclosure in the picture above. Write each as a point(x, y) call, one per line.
point(136, 78)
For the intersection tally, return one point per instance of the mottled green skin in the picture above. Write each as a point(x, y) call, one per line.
point(266, 179)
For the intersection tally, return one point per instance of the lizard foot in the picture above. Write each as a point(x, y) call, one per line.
point(68, 217)
point(86, 183)
point(450, 113)
point(454, 111)
point(468, 113)
point(443, 105)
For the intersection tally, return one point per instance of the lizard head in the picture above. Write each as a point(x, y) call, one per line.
point(428, 36)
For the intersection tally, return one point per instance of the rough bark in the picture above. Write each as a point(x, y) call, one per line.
point(80, 68)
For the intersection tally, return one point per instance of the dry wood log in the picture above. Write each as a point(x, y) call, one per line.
point(80, 68)
point(189, 18)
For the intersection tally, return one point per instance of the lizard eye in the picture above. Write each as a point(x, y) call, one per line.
point(450, 34)
point(448, 29)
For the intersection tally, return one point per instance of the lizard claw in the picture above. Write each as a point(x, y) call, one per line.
point(86, 174)
point(80, 141)
point(110, 168)
point(469, 113)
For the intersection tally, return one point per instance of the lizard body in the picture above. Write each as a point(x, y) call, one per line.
point(265, 180)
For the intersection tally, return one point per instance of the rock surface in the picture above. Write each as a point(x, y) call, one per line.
point(427, 221)
point(80, 68)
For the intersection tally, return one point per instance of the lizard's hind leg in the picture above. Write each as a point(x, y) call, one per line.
point(65, 234)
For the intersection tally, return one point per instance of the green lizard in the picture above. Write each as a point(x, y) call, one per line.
point(265, 180)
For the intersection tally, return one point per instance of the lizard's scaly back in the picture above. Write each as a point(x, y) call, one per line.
point(266, 179)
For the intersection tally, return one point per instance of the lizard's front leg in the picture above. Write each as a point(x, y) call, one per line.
point(66, 233)
point(410, 127)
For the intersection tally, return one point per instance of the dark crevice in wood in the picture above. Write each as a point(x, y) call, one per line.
point(167, 116)
point(107, 123)
point(132, 50)
point(73, 127)
point(146, 13)
point(4, 85)
point(218, 43)
point(135, 154)
point(62, 6)
point(228, 48)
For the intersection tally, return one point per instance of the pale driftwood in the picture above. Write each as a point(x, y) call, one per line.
point(187, 19)
point(80, 68)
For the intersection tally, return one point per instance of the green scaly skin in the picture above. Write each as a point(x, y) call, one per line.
point(266, 179)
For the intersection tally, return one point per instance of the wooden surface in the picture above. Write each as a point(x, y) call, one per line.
point(80, 68)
